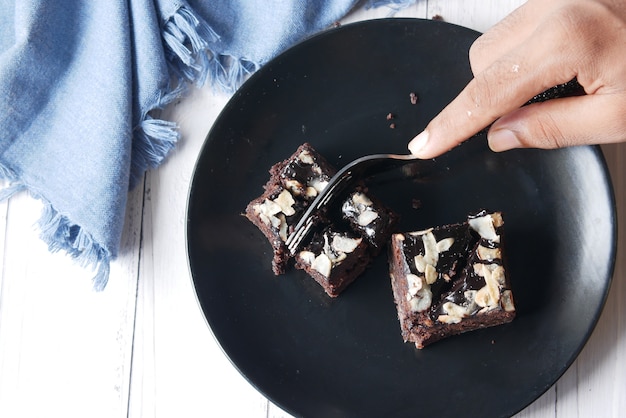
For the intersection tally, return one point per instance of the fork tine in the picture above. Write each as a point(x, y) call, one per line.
point(303, 227)
point(336, 184)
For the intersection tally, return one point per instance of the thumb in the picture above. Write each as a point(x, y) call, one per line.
point(582, 120)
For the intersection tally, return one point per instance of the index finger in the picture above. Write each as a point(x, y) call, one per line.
point(503, 86)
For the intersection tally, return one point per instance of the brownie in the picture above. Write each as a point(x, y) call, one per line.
point(369, 217)
point(293, 185)
point(338, 253)
point(334, 259)
point(450, 279)
point(344, 239)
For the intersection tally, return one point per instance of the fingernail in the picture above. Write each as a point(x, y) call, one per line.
point(418, 143)
point(502, 140)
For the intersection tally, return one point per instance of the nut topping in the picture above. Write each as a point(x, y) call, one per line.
point(414, 284)
point(367, 217)
point(306, 158)
point(507, 301)
point(360, 207)
point(488, 254)
point(344, 244)
point(322, 264)
point(335, 249)
point(422, 300)
point(294, 186)
point(318, 184)
point(286, 202)
point(360, 199)
point(489, 295)
point(485, 227)
point(426, 263)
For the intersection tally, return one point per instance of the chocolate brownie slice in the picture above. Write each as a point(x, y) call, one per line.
point(344, 239)
point(369, 217)
point(451, 279)
point(293, 185)
point(334, 259)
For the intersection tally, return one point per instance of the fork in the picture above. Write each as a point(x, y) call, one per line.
point(382, 162)
point(357, 169)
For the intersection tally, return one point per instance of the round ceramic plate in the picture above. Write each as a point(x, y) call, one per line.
point(317, 356)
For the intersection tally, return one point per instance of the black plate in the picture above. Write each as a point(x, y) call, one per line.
point(316, 356)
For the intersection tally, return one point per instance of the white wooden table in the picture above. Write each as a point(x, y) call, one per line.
point(142, 349)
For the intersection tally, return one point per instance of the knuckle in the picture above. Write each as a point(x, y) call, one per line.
point(544, 132)
point(550, 133)
point(487, 96)
point(478, 52)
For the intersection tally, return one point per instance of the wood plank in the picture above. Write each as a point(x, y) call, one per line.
point(4, 206)
point(178, 367)
point(64, 348)
point(479, 15)
point(601, 366)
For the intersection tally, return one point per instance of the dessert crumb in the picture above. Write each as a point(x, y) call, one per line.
point(413, 97)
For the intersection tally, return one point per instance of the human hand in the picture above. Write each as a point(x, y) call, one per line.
point(540, 45)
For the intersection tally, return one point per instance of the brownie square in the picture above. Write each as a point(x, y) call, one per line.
point(343, 240)
point(334, 259)
point(293, 185)
point(450, 279)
